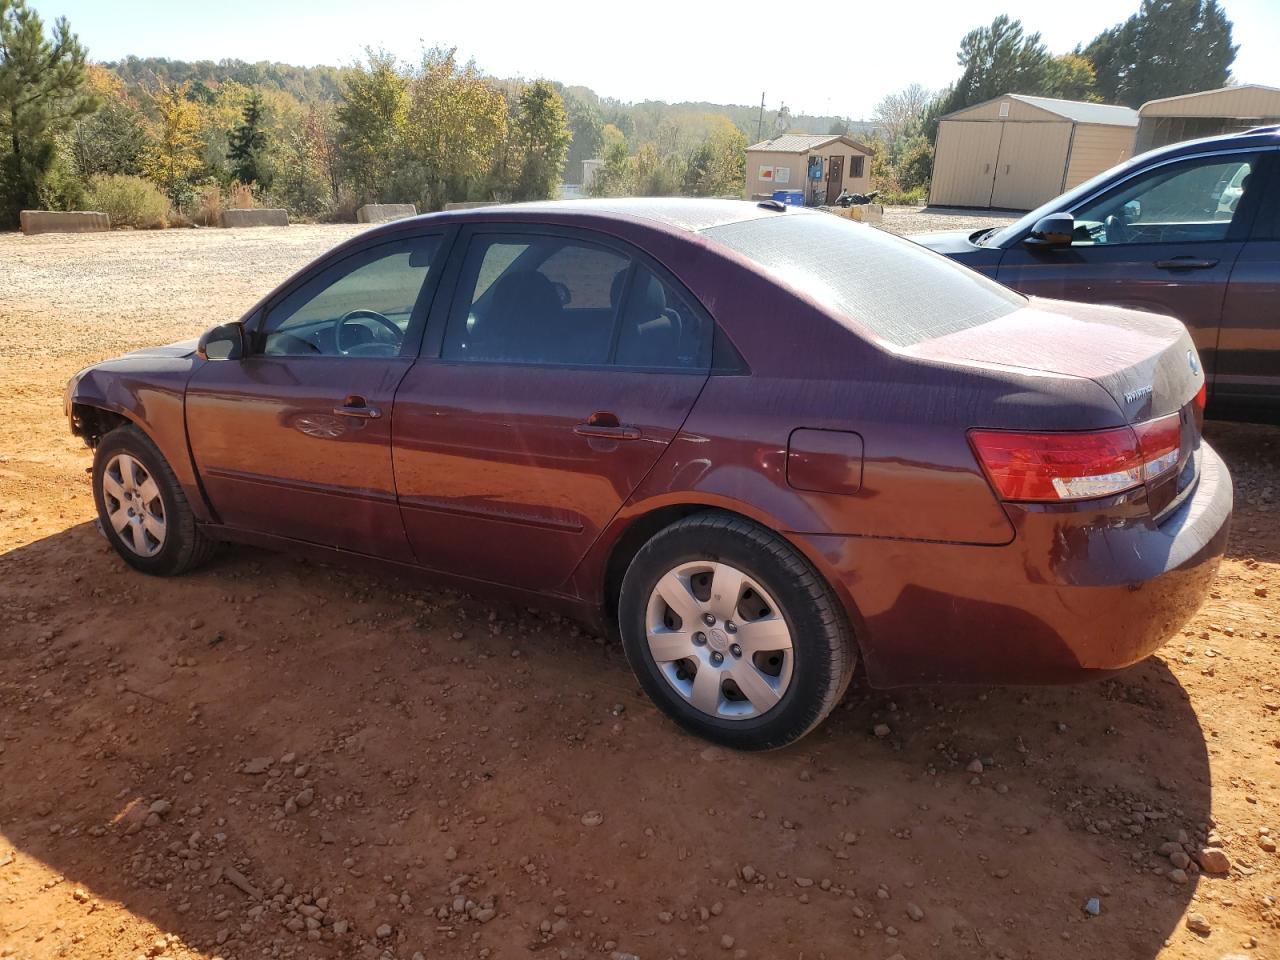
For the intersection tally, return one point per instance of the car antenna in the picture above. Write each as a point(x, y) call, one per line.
point(772, 204)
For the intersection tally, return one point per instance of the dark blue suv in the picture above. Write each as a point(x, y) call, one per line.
point(1191, 230)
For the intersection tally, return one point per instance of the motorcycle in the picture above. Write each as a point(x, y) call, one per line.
point(847, 199)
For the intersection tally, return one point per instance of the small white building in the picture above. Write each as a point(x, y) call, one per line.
point(590, 170)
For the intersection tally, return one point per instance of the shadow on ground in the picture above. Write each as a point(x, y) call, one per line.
point(362, 752)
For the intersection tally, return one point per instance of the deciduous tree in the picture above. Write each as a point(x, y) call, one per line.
point(370, 120)
point(543, 135)
point(174, 152)
point(455, 119)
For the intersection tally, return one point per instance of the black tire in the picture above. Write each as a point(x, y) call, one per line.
point(824, 655)
point(185, 546)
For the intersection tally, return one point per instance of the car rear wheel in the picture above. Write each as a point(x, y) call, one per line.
point(733, 634)
point(141, 506)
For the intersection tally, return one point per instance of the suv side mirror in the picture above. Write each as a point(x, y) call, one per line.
point(1055, 230)
point(223, 342)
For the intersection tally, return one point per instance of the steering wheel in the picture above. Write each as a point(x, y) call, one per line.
point(343, 347)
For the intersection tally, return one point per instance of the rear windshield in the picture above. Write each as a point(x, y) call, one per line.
point(896, 289)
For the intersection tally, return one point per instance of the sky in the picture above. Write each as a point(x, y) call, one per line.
point(810, 58)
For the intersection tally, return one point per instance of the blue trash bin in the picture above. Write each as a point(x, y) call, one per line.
point(792, 198)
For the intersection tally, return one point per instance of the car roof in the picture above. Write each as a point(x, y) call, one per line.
point(1268, 136)
point(675, 213)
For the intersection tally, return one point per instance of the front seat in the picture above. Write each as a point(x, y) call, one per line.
point(524, 313)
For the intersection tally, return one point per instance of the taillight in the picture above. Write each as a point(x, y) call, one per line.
point(1202, 397)
point(1077, 466)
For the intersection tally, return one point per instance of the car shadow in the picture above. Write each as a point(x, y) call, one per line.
point(270, 741)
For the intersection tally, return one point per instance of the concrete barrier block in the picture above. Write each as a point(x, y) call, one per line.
point(63, 221)
point(254, 218)
point(867, 212)
point(383, 212)
point(471, 204)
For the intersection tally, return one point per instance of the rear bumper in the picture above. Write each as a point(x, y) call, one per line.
point(1080, 590)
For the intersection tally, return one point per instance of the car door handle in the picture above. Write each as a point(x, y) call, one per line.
point(356, 407)
point(1186, 263)
point(606, 426)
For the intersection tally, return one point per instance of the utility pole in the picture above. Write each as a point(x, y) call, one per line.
point(760, 119)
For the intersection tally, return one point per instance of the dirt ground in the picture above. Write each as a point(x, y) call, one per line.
point(274, 758)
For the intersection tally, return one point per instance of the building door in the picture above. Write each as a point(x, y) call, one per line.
point(835, 178)
point(1030, 165)
point(964, 170)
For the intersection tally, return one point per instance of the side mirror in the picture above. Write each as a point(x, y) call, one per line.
point(1055, 230)
point(223, 342)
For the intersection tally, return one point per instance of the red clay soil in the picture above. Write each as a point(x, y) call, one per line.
point(274, 758)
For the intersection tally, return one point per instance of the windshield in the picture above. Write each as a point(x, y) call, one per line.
point(1062, 202)
point(895, 289)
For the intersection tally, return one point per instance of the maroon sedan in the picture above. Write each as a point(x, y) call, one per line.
point(760, 442)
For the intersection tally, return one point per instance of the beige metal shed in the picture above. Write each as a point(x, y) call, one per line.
point(1206, 114)
point(1016, 152)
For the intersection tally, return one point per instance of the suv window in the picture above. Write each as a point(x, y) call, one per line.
point(1187, 202)
point(360, 306)
point(555, 300)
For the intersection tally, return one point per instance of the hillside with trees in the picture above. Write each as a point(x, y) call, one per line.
point(154, 141)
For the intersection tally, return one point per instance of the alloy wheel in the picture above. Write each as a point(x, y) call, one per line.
point(133, 504)
point(719, 640)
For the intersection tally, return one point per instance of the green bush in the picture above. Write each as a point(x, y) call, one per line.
point(128, 201)
point(903, 198)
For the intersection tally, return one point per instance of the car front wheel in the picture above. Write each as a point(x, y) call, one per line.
point(141, 506)
point(733, 634)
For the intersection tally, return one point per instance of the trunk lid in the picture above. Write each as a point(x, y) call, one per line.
point(1146, 362)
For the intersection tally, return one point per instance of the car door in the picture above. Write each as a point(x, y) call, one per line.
point(294, 440)
point(1163, 240)
point(1248, 367)
point(552, 381)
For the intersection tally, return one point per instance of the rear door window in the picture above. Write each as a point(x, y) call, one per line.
point(567, 301)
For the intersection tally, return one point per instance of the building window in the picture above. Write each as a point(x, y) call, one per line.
point(856, 166)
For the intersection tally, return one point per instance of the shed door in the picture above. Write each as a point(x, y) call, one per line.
point(835, 178)
point(965, 165)
point(1032, 159)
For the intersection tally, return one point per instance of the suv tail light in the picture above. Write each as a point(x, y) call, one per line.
point(1078, 466)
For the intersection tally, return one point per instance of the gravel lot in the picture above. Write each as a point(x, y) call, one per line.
point(274, 758)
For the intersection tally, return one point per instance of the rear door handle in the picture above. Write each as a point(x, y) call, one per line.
point(606, 426)
point(606, 432)
point(1186, 263)
point(356, 407)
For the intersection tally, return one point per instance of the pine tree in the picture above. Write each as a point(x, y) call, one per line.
point(249, 144)
point(1167, 48)
point(41, 95)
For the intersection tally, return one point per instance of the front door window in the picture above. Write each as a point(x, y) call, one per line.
point(1192, 202)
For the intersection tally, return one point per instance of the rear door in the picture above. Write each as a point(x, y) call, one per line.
point(1248, 367)
point(551, 382)
point(1164, 240)
point(295, 439)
